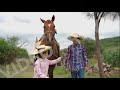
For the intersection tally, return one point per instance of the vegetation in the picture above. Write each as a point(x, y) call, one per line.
point(111, 53)
point(59, 71)
point(110, 49)
point(112, 57)
point(97, 17)
point(89, 45)
point(9, 50)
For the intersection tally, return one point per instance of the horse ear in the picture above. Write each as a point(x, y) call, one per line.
point(53, 18)
point(42, 20)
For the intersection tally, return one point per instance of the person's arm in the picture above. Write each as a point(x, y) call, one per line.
point(85, 59)
point(55, 61)
point(38, 70)
point(67, 58)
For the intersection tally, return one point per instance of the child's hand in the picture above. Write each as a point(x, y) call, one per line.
point(59, 58)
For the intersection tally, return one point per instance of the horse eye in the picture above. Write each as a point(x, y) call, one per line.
point(54, 26)
point(44, 27)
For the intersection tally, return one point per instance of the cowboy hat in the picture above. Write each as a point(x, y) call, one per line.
point(37, 42)
point(43, 48)
point(35, 51)
point(74, 36)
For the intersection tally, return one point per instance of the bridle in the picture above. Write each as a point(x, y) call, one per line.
point(50, 32)
point(55, 32)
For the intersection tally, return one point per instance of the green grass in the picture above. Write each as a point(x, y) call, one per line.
point(24, 75)
point(108, 44)
point(59, 72)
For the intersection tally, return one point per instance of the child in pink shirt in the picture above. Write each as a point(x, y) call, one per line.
point(41, 64)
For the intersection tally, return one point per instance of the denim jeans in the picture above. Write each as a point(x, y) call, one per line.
point(78, 74)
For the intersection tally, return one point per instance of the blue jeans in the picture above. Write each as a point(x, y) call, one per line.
point(78, 74)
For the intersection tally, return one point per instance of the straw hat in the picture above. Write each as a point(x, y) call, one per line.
point(74, 36)
point(35, 51)
point(37, 42)
point(41, 49)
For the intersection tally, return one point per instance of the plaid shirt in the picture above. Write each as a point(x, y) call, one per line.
point(76, 57)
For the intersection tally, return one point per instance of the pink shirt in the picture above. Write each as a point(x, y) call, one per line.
point(41, 67)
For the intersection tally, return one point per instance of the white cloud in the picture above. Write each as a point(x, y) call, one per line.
point(67, 22)
point(2, 19)
point(21, 19)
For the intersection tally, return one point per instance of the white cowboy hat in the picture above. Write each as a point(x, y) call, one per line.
point(43, 48)
point(37, 42)
point(35, 51)
point(74, 36)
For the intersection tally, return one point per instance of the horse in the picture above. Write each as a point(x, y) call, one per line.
point(48, 38)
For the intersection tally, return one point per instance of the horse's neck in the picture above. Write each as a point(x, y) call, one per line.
point(55, 45)
point(42, 38)
point(55, 41)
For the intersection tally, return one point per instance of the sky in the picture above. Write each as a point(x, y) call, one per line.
point(65, 22)
point(28, 23)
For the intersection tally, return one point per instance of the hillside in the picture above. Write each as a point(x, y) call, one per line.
point(110, 43)
point(107, 44)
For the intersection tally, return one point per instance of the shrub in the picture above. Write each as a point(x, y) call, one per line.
point(112, 57)
point(90, 46)
point(9, 50)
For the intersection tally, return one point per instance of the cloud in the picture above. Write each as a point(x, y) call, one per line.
point(21, 19)
point(109, 34)
point(2, 19)
point(65, 22)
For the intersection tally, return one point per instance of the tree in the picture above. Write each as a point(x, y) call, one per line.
point(9, 50)
point(14, 41)
point(90, 46)
point(97, 17)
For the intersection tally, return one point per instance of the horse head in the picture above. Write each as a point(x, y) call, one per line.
point(49, 29)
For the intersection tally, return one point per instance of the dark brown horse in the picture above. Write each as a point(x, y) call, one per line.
point(48, 38)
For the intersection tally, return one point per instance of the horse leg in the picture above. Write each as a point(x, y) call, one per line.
point(50, 71)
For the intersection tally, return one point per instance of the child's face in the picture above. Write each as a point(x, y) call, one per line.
point(36, 56)
point(45, 54)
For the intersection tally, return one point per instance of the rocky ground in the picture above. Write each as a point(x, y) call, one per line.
point(108, 70)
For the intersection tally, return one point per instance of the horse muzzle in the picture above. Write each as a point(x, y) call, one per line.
point(50, 43)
